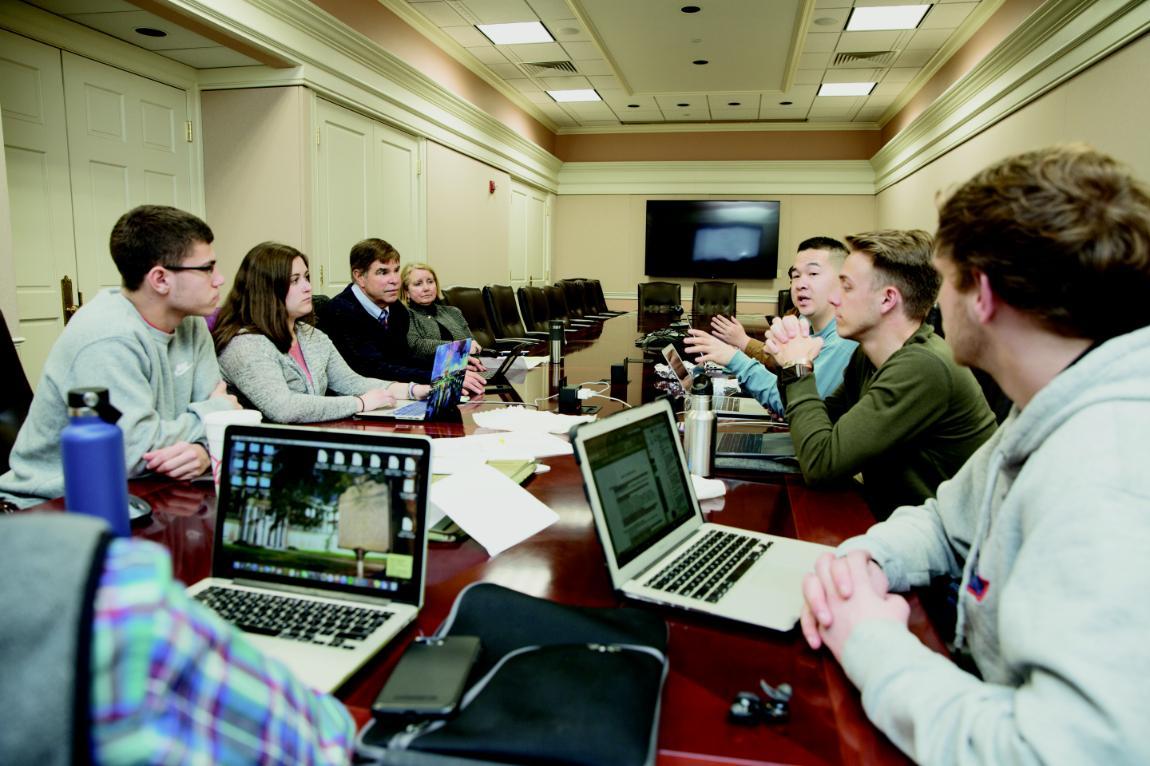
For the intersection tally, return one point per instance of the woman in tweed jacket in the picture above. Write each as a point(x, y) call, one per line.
point(432, 321)
point(273, 356)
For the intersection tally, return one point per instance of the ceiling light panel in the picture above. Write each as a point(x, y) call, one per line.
point(517, 33)
point(573, 96)
point(846, 88)
point(885, 17)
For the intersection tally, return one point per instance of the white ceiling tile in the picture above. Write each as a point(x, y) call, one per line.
point(722, 101)
point(499, 11)
point(815, 60)
point(890, 89)
point(550, 9)
point(467, 36)
point(441, 14)
point(828, 20)
point(605, 82)
point(808, 76)
point(867, 41)
point(901, 74)
point(929, 39)
point(671, 102)
point(820, 43)
point(568, 30)
point(507, 71)
point(537, 51)
point(833, 3)
point(488, 54)
point(870, 115)
point(913, 58)
point(565, 83)
point(623, 100)
point(539, 98)
point(68, 7)
point(947, 16)
point(851, 75)
point(582, 50)
point(523, 85)
point(595, 67)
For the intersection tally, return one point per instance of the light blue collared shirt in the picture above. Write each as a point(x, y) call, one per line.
point(829, 365)
point(370, 306)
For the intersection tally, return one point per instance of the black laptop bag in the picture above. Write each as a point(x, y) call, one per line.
point(554, 685)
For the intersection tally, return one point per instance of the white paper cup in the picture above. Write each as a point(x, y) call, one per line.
point(214, 425)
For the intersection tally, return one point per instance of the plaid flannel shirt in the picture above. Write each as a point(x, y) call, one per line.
point(172, 683)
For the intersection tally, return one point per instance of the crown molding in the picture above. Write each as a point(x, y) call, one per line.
point(1059, 40)
point(346, 67)
point(763, 177)
point(718, 127)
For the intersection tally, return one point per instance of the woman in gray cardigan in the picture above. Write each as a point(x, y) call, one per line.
point(273, 356)
point(432, 321)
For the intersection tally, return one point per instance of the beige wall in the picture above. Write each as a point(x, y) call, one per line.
point(602, 236)
point(468, 227)
point(1097, 107)
point(256, 179)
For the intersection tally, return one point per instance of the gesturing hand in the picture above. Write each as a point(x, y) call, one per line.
point(730, 330)
point(708, 347)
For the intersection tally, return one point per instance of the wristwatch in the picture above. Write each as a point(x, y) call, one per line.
point(795, 369)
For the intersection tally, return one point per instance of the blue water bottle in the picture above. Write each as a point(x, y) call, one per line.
point(95, 480)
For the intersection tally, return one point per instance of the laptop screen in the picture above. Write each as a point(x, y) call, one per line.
point(641, 484)
point(329, 510)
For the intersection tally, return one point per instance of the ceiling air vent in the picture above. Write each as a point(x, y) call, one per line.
point(543, 67)
point(859, 59)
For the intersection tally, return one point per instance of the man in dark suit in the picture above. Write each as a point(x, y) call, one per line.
point(368, 323)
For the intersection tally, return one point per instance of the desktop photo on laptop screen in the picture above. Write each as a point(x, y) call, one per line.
point(340, 514)
point(640, 484)
point(447, 375)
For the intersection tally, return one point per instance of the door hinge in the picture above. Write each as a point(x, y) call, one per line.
point(322, 280)
point(318, 133)
point(418, 167)
point(188, 131)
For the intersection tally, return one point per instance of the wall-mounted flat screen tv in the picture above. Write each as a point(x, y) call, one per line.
point(712, 239)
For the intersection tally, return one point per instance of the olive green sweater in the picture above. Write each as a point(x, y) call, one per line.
point(905, 426)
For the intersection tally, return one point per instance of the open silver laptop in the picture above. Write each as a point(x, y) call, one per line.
point(658, 546)
point(320, 543)
point(724, 406)
point(447, 374)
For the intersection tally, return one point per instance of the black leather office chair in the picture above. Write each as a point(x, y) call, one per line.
point(714, 297)
point(469, 300)
point(660, 298)
point(533, 306)
point(558, 309)
point(784, 304)
point(15, 394)
point(595, 291)
point(500, 300)
point(578, 303)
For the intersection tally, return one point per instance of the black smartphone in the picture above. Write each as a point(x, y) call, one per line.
point(429, 679)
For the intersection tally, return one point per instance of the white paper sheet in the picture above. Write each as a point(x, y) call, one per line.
point(493, 509)
point(525, 419)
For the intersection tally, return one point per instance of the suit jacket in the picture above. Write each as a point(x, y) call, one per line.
point(370, 349)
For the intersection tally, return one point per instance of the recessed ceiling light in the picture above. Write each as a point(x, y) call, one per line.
point(734, 103)
point(700, 62)
point(519, 33)
point(151, 32)
point(682, 105)
point(846, 88)
point(883, 17)
point(826, 21)
point(690, 9)
point(579, 94)
point(632, 106)
point(786, 103)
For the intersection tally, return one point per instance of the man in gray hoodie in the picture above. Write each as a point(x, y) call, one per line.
point(148, 344)
point(1045, 259)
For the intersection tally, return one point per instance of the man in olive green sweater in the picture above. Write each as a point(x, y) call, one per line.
point(906, 416)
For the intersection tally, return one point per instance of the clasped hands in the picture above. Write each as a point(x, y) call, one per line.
point(843, 592)
point(788, 339)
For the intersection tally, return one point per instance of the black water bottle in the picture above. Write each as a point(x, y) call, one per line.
point(92, 446)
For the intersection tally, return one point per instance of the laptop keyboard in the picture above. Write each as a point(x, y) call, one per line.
point(409, 410)
point(311, 622)
point(711, 566)
point(735, 443)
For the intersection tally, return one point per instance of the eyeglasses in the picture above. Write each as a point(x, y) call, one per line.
point(206, 268)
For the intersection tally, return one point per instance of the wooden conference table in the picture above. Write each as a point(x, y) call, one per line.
point(710, 660)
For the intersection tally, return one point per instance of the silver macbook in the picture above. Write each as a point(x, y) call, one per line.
point(320, 543)
point(658, 546)
point(724, 406)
